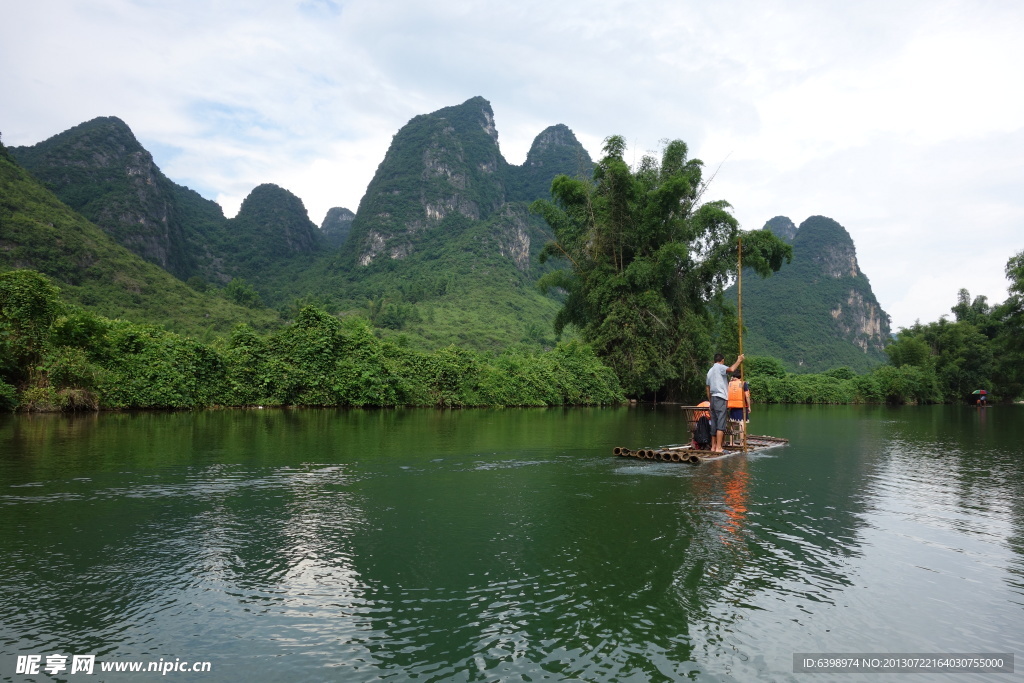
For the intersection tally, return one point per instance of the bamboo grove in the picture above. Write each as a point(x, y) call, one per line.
point(646, 263)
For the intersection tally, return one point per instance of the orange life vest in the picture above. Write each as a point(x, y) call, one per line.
point(703, 413)
point(736, 395)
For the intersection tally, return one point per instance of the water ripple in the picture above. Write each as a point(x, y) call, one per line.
point(492, 563)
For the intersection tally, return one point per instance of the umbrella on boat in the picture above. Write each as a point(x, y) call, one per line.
point(979, 391)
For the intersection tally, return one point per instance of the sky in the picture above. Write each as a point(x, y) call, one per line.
point(903, 120)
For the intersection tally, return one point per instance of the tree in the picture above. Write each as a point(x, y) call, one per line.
point(1009, 342)
point(1011, 312)
point(243, 293)
point(29, 304)
point(956, 354)
point(909, 349)
point(977, 312)
point(647, 263)
point(1015, 273)
point(763, 366)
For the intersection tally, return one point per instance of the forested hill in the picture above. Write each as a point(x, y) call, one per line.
point(818, 312)
point(100, 170)
point(39, 232)
point(442, 248)
point(445, 170)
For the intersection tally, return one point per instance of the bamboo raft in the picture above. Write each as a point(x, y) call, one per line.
point(734, 439)
point(687, 453)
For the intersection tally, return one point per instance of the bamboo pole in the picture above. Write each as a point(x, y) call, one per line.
point(739, 299)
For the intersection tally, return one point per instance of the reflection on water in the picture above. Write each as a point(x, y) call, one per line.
point(507, 544)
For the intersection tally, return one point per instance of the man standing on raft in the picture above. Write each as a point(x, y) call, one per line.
point(717, 387)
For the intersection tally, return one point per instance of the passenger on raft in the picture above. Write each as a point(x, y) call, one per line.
point(703, 413)
point(717, 387)
point(739, 399)
point(739, 403)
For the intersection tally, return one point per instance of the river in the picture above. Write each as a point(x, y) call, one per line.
point(511, 545)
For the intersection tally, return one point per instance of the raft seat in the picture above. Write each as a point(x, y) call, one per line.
point(733, 430)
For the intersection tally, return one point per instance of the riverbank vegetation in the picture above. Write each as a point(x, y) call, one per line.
point(770, 383)
point(59, 357)
point(946, 361)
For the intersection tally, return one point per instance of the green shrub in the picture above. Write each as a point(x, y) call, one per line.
point(516, 378)
point(453, 376)
point(29, 304)
point(762, 367)
point(8, 396)
point(582, 378)
point(867, 389)
point(243, 294)
point(85, 361)
point(150, 368)
point(40, 399)
point(70, 368)
point(841, 373)
point(79, 329)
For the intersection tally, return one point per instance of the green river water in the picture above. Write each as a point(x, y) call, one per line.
point(506, 545)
